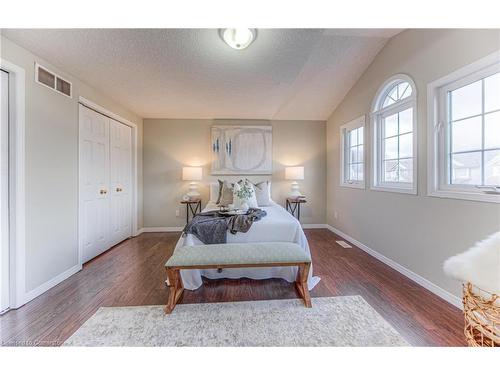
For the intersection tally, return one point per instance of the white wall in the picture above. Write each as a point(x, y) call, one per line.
point(418, 232)
point(52, 168)
point(170, 144)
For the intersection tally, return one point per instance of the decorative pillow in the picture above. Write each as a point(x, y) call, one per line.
point(226, 194)
point(262, 193)
point(219, 193)
point(214, 192)
point(251, 201)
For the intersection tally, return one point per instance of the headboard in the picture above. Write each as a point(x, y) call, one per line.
point(214, 186)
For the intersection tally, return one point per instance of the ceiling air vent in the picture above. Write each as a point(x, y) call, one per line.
point(47, 78)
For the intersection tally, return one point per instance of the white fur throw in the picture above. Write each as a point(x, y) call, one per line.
point(479, 265)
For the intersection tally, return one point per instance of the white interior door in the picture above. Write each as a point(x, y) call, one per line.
point(4, 191)
point(120, 181)
point(94, 183)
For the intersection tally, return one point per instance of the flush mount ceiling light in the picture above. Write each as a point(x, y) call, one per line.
point(238, 38)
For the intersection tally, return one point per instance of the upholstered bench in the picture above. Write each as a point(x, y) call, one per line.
point(237, 255)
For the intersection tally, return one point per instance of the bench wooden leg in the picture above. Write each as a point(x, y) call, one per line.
point(301, 284)
point(176, 289)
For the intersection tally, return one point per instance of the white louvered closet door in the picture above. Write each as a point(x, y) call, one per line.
point(94, 183)
point(120, 181)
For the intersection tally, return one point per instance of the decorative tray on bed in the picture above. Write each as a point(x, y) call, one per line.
point(231, 212)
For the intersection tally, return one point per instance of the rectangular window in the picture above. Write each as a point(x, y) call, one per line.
point(352, 166)
point(473, 130)
point(464, 141)
point(397, 147)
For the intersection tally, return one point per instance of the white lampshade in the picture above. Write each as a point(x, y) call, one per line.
point(294, 173)
point(191, 173)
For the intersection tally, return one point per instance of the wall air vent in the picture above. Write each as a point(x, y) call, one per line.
point(45, 77)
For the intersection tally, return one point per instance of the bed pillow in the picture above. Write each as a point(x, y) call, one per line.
point(262, 193)
point(214, 192)
point(218, 194)
point(252, 201)
point(226, 194)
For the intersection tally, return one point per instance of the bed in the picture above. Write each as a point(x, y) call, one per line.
point(277, 226)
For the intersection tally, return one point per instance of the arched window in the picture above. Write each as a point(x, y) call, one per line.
point(394, 166)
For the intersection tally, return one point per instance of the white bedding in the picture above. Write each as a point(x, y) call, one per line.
point(277, 225)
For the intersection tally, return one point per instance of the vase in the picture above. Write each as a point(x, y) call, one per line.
point(244, 206)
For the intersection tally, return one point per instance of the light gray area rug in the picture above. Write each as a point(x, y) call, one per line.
point(332, 321)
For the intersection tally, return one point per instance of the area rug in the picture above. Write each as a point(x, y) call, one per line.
point(332, 321)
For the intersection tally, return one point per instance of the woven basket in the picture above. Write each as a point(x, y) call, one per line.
point(482, 317)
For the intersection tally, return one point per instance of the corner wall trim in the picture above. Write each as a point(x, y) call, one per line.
point(437, 290)
point(160, 229)
point(32, 294)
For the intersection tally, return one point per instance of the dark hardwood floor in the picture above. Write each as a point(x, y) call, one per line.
point(132, 273)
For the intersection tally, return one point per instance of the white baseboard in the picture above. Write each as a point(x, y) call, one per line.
point(138, 232)
point(161, 229)
point(437, 290)
point(314, 226)
point(32, 294)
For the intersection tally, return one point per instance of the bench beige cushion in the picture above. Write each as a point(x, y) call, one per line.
point(238, 253)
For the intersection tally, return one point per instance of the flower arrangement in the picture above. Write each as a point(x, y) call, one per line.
point(244, 192)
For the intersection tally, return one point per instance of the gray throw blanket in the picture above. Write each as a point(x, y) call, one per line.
point(211, 227)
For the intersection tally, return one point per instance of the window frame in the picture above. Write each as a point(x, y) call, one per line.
point(376, 116)
point(437, 144)
point(359, 122)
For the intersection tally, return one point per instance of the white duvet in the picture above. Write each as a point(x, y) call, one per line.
point(277, 226)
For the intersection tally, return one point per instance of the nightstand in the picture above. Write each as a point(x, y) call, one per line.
point(193, 205)
point(293, 206)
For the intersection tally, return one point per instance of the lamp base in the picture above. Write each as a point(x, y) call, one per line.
point(193, 191)
point(295, 192)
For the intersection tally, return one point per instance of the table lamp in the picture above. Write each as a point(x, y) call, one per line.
point(192, 174)
point(294, 174)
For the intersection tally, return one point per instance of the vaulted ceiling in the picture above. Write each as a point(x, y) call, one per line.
point(298, 74)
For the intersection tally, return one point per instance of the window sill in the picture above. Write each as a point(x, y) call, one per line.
point(400, 190)
point(353, 186)
point(465, 195)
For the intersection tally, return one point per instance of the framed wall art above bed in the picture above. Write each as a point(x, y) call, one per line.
point(241, 150)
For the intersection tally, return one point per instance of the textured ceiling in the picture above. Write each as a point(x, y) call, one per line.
point(297, 74)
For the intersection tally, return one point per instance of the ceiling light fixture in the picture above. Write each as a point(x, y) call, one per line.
point(238, 38)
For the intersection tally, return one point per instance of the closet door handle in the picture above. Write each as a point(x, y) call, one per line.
point(119, 189)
